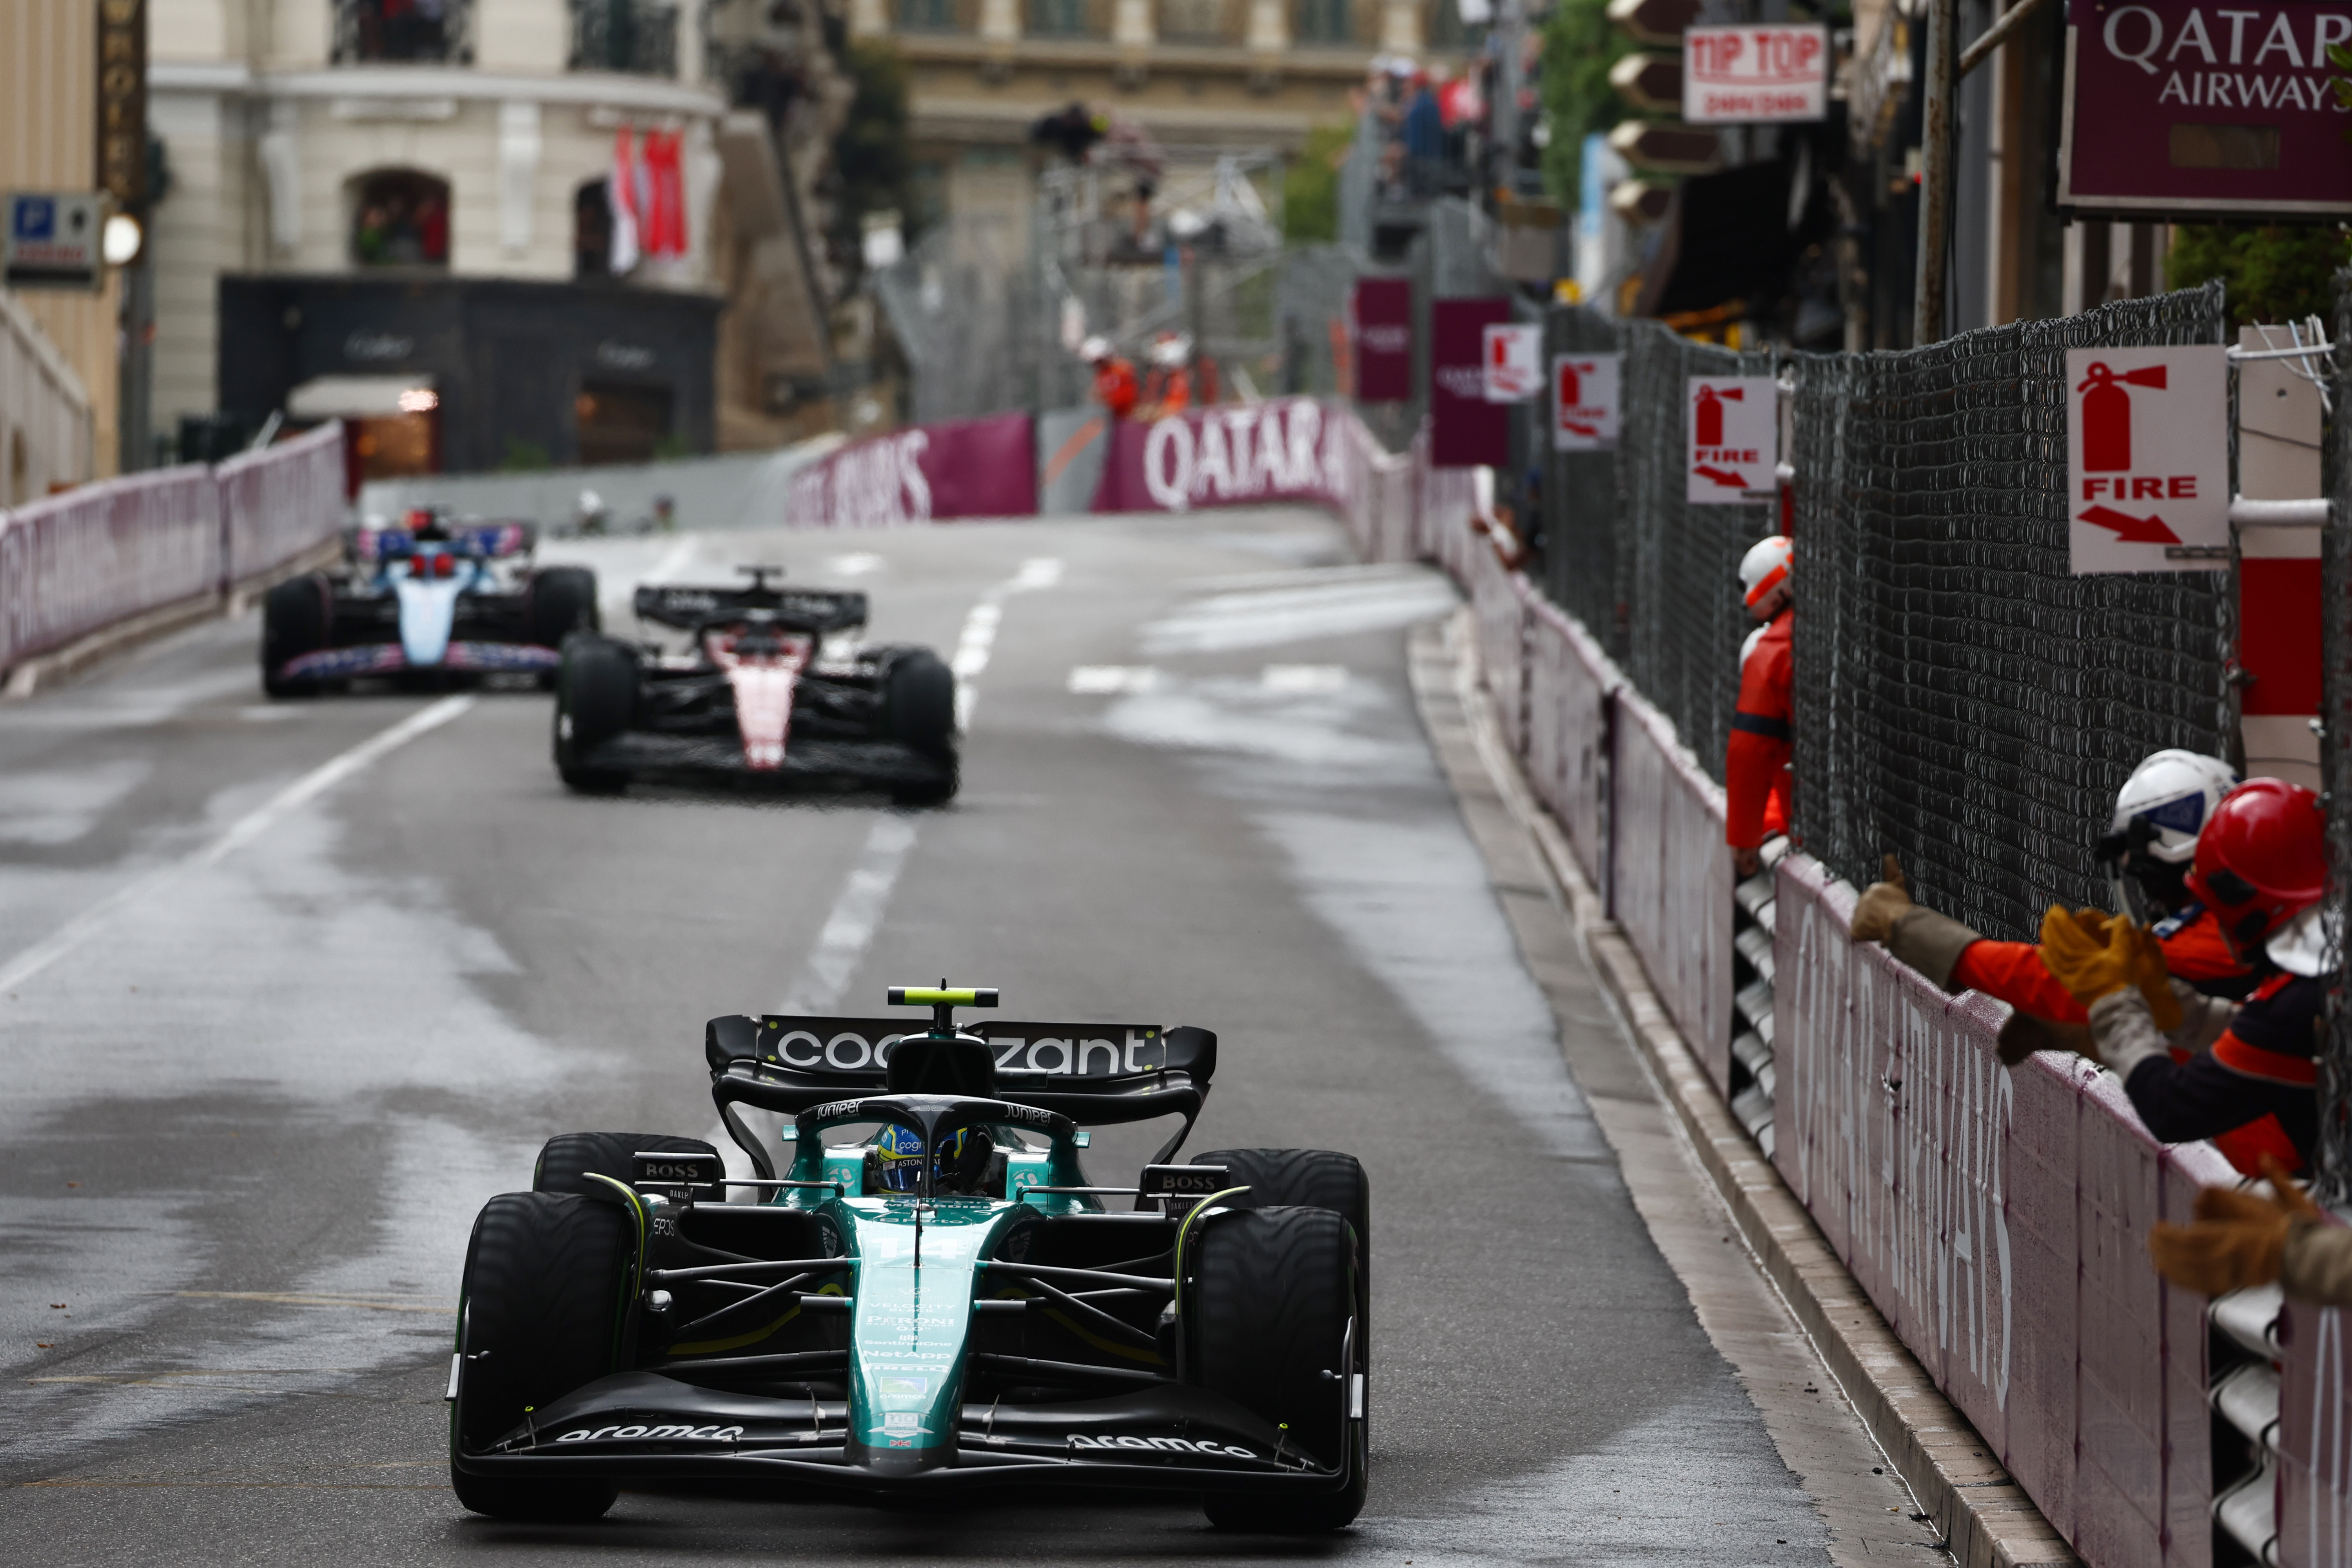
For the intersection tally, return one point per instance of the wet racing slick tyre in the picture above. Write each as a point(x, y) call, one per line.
point(596, 698)
point(571, 1160)
point(1273, 1291)
point(1312, 1178)
point(557, 601)
point(918, 704)
point(296, 616)
point(540, 1314)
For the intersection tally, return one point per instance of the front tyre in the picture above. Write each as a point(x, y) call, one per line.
point(559, 601)
point(296, 616)
point(596, 698)
point(1273, 1329)
point(919, 709)
point(542, 1312)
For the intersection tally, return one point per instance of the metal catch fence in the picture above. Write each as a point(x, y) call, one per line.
point(1960, 698)
point(1580, 559)
point(2336, 753)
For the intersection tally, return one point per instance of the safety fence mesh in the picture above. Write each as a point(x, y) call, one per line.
point(1578, 547)
point(1961, 699)
point(1678, 565)
point(2335, 757)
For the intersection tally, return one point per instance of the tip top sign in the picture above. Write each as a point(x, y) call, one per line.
point(1756, 75)
point(2147, 459)
point(1733, 425)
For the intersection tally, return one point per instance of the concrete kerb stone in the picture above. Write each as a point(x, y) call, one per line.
point(1986, 1518)
point(43, 671)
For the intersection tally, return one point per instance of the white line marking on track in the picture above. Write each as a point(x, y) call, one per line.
point(674, 560)
point(979, 640)
point(856, 916)
point(244, 831)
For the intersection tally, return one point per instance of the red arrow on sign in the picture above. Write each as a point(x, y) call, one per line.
point(1729, 481)
point(1570, 425)
point(2129, 530)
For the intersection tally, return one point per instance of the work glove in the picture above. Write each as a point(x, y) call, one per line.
point(1927, 942)
point(2095, 954)
point(2025, 1034)
point(2240, 1238)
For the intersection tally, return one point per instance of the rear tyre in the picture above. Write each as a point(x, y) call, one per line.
point(571, 1160)
point(1272, 1292)
point(920, 708)
point(540, 1315)
point(596, 698)
point(295, 618)
point(557, 601)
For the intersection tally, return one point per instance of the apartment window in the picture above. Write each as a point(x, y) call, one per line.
point(631, 35)
point(592, 230)
point(1325, 22)
point(1059, 18)
point(401, 219)
point(419, 31)
point(1194, 21)
point(926, 15)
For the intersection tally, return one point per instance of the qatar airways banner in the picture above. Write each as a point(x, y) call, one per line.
point(970, 467)
point(2189, 109)
point(1248, 453)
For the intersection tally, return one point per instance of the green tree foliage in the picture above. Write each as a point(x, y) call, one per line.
point(870, 159)
point(1310, 186)
point(1580, 45)
point(2273, 272)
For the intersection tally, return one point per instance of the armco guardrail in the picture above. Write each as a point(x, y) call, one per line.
point(1998, 1218)
point(77, 563)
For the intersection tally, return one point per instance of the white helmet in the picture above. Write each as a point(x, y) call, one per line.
point(1765, 567)
point(1094, 349)
point(2172, 792)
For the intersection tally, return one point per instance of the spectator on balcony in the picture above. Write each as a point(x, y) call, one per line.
point(1756, 763)
point(2149, 848)
point(2262, 868)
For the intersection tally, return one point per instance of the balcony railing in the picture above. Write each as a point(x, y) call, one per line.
point(425, 32)
point(632, 36)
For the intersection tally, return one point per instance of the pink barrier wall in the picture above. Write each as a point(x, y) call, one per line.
point(76, 561)
point(280, 501)
point(1499, 609)
point(1254, 454)
point(2314, 1437)
point(103, 553)
point(1669, 877)
point(1569, 685)
point(1999, 1221)
point(970, 467)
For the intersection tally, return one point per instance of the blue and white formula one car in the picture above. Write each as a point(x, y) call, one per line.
point(933, 1298)
point(425, 598)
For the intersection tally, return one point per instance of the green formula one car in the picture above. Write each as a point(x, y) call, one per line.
point(933, 1297)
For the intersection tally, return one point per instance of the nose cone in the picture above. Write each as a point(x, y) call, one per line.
point(428, 609)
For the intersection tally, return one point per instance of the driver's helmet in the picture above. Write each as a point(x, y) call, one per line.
point(899, 1152)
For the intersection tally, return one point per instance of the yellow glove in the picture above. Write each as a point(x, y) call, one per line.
point(1881, 905)
point(2239, 1239)
point(2092, 954)
point(2155, 982)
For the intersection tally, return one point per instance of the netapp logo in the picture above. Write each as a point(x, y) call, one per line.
point(1160, 1445)
point(652, 1434)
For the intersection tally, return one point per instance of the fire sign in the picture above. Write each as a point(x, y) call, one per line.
point(1734, 424)
point(1513, 361)
point(1584, 401)
point(2147, 459)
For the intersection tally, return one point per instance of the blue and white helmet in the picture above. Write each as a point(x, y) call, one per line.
point(2172, 794)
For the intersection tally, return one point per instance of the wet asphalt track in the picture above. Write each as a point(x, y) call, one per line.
point(266, 1053)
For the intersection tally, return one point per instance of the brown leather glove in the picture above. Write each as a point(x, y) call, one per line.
point(2025, 1034)
point(2239, 1239)
point(1927, 942)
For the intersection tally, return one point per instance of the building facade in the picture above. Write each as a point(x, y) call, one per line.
point(403, 211)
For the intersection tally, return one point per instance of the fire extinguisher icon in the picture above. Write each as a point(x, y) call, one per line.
point(2106, 415)
point(1710, 412)
point(1570, 390)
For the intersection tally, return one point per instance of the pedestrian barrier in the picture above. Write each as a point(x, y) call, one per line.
point(77, 563)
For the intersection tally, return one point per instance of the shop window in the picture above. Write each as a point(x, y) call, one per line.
point(620, 422)
point(592, 230)
point(401, 219)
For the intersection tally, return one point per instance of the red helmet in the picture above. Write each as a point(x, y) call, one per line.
point(2261, 859)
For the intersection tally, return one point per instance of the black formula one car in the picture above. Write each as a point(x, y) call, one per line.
point(430, 598)
point(933, 1297)
point(772, 687)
